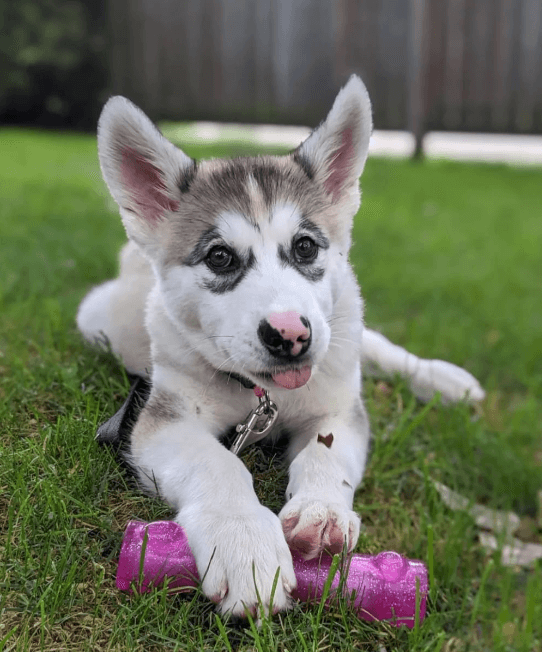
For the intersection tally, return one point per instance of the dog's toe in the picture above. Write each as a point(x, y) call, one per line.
point(312, 526)
point(215, 583)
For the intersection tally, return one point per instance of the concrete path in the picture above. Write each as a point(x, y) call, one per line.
point(513, 149)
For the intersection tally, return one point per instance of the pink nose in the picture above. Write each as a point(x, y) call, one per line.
point(292, 327)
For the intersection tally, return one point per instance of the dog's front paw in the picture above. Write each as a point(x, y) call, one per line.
point(238, 556)
point(312, 526)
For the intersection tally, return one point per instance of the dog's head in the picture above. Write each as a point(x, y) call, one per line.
point(250, 254)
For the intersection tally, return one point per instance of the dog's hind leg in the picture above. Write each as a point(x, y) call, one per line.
point(114, 312)
point(425, 377)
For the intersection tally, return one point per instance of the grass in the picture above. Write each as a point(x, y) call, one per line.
point(449, 258)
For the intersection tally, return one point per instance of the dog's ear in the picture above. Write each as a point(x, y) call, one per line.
point(145, 173)
point(335, 152)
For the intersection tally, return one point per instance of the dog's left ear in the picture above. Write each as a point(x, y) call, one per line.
point(335, 153)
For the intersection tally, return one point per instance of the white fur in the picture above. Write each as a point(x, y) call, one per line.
point(194, 334)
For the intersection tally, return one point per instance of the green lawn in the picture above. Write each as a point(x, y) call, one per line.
point(449, 257)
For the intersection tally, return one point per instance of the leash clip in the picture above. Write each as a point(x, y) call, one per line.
point(249, 432)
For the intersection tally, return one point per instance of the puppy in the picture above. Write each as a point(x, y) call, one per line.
point(236, 281)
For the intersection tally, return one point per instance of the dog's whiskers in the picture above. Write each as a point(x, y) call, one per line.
point(212, 337)
point(344, 331)
point(334, 319)
point(337, 315)
point(215, 372)
point(344, 339)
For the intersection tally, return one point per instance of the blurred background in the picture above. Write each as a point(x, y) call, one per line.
point(462, 65)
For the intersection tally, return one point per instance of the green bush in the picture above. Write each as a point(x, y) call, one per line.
point(52, 61)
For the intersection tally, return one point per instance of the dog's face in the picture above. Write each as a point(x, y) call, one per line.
point(249, 253)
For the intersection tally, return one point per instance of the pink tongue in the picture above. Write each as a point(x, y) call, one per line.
point(292, 379)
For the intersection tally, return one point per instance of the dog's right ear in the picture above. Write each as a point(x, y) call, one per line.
point(335, 153)
point(145, 173)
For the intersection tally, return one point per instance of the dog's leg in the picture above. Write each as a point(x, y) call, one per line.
point(238, 544)
point(325, 471)
point(425, 377)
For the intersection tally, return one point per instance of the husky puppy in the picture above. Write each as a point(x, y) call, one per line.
point(236, 275)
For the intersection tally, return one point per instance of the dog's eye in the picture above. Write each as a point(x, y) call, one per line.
point(305, 249)
point(221, 259)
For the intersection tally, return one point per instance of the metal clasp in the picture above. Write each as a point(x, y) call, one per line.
point(251, 430)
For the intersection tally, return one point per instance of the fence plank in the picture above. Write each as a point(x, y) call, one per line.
point(117, 49)
point(455, 54)
point(357, 48)
point(503, 65)
point(150, 53)
point(434, 62)
point(264, 37)
point(477, 62)
point(238, 45)
point(394, 47)
point(303, 68)
point(176, 76)
point(529, 64)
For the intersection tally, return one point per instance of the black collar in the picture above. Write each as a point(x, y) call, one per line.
point(246, 382)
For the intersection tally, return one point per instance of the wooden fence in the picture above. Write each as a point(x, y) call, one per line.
point(428, 64)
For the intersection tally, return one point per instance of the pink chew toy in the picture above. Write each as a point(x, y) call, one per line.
point(381, 587)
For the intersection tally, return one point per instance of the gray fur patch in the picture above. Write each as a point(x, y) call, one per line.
point(187, 177)
point(162, 407)
point(304, 164)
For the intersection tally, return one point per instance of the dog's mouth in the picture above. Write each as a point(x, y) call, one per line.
point(287, 378)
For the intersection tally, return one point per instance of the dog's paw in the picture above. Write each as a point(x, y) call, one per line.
point(238, 556)
point(312, 526)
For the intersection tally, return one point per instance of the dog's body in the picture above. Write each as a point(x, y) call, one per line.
point(237, 274)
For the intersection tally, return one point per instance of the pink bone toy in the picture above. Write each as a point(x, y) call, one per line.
point(386, 586)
